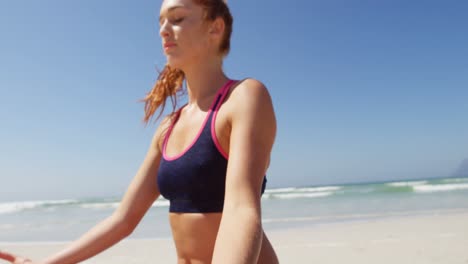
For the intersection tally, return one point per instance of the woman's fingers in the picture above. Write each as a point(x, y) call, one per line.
point(14, 259)
point(7, 256)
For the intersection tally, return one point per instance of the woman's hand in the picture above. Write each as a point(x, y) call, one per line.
point(14, 259)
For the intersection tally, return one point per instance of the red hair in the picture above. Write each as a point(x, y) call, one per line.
point(170, 80)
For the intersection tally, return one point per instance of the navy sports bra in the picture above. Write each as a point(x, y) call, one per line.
point(194, 181)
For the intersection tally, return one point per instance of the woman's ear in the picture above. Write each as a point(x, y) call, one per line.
point(217, 27)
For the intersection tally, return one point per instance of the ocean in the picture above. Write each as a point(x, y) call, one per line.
point(282, 208)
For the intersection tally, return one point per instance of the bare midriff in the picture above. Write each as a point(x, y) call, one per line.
point(195, 236)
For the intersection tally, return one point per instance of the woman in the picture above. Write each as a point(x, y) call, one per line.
point(208, 158)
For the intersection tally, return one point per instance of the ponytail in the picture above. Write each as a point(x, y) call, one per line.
point(169, 82)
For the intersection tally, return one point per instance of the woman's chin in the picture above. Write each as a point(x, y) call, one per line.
point(174, 63)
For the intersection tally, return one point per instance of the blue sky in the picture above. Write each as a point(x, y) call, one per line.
point(363, 90)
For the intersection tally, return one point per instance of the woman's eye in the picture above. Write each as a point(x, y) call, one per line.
point(176, 21)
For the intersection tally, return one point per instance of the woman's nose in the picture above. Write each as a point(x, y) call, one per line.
point(163, 30)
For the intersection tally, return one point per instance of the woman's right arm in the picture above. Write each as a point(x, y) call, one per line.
point(140, 195)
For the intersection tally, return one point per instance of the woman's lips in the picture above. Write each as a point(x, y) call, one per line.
point(169, 45)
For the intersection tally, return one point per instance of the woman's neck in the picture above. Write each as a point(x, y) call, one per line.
point(203, 81)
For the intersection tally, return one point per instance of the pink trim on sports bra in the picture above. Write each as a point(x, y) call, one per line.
point(166, 139)
point(213, 127)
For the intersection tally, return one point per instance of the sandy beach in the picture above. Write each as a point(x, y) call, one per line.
point(436, 238)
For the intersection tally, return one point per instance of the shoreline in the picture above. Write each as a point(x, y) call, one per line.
point(433, 238)
point(285, 224)
point(288, 223)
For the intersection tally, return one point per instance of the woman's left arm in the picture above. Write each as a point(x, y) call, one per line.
point(253, 130)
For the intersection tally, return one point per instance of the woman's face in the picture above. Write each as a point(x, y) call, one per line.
point(185, 34)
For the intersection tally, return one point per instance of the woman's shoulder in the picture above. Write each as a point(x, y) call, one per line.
point(250, 91)
point(250, 103)
point(250, 85)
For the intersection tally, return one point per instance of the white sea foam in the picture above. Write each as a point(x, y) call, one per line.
point(302, 195)
point(320, 189)
point(161, 203)
point(280, 190)
point(452, 180)
point(108, 205)
point(99, 205)
point(13, 207)
point(440, 187)
point(302, 189)
point(6, 208)
point(406, 183)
